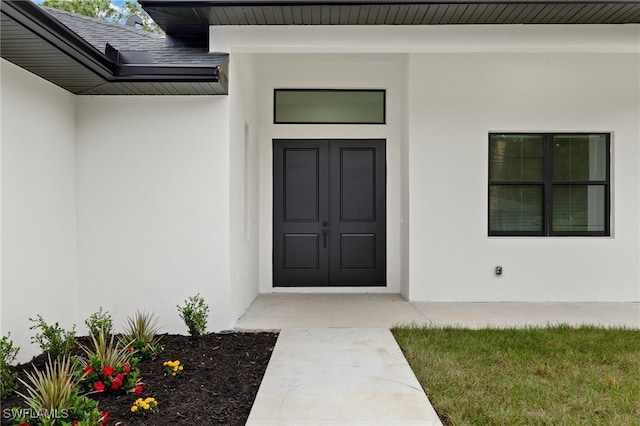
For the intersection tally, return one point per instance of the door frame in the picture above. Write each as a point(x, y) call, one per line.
point(381, 212)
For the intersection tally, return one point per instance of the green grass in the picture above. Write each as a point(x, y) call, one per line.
point(535, 376)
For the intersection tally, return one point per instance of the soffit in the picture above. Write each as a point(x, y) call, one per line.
point(181, 17)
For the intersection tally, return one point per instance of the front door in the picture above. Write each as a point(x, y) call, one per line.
point(329, 212)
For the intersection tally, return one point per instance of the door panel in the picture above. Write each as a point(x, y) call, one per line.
point(357, 255)
point(329, 219)
point(301, 176)
point(300, 200)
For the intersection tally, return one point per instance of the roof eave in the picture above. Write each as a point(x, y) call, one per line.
point(110, 74)
point(32, 17)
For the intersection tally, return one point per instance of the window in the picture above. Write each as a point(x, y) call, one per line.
point(549, 184)
point(323, 106)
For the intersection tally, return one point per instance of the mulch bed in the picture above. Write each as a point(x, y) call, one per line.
point(222, 373)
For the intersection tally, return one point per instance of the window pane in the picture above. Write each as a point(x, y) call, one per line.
point(516, 157)
point(578, 208)
point(329, 106)
point(579, 157)
point(515, 208)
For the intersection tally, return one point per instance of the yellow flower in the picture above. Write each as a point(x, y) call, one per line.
point(134, 408)
point(180, 368)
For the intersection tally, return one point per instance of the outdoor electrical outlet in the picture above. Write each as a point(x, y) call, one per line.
point(498, 270)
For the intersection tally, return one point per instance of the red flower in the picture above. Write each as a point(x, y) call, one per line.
point(128, 348)
point(105, 417)
point(75, 422)
point(137, 389)
point(117, 382)
point(127, 368)
point(88, 369)
point(98, 386)
point(24, 424)
point(108, 371)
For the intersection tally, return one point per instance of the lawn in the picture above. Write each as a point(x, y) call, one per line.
point(534, 376)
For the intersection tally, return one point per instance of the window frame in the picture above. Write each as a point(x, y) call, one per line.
point(373, 123)
point(548, 184)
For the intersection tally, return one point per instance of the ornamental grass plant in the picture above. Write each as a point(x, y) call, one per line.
point(109, 367)
point(51, 389)
point(141, 335)
point(52, 397)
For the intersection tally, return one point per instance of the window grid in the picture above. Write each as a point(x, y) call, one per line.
point(549, 184)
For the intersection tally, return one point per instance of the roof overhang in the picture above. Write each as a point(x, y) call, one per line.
point(189, 19)
point(34, 40)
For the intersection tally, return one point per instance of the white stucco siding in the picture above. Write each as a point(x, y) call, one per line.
point(244, 185)
point(153, 206)
point(336, 72)
point(448, 87)
point(455, 101)
point(39, 262)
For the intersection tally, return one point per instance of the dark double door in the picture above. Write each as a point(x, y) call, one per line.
point(329, 212)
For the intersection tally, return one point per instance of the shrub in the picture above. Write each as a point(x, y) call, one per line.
point(54, 394)
point(195, 313)
point(54, 340)
point(8, 375)
point(108, 368)
point(140, 336)
point(100, 321)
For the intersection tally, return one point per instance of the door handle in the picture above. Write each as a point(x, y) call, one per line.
point(324, 236)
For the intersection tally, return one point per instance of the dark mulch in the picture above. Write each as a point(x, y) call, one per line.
point(222, 373)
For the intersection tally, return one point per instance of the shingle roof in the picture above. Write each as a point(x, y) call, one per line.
point(69, 50)
point(99, 32)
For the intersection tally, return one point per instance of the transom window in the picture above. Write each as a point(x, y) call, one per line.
point(329, 106)
point(549, 184)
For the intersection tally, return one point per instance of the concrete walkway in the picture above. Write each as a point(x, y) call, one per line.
point(339, 376)
point(336, 362)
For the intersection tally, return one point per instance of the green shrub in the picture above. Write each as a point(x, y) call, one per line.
point(54, 340)
point(8, 375)
point(100, 321)
point(195, 313)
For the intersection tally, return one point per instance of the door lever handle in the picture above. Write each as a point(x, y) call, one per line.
point(324, 236)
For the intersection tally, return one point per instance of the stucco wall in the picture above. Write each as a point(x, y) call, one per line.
point(450, 87)
point(455, 101)
point(334, 71)
point(244, 185)
point(39, 262)
point(153, 206)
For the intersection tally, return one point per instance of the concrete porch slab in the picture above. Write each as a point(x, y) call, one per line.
point(340, 376)
point(286, 310)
